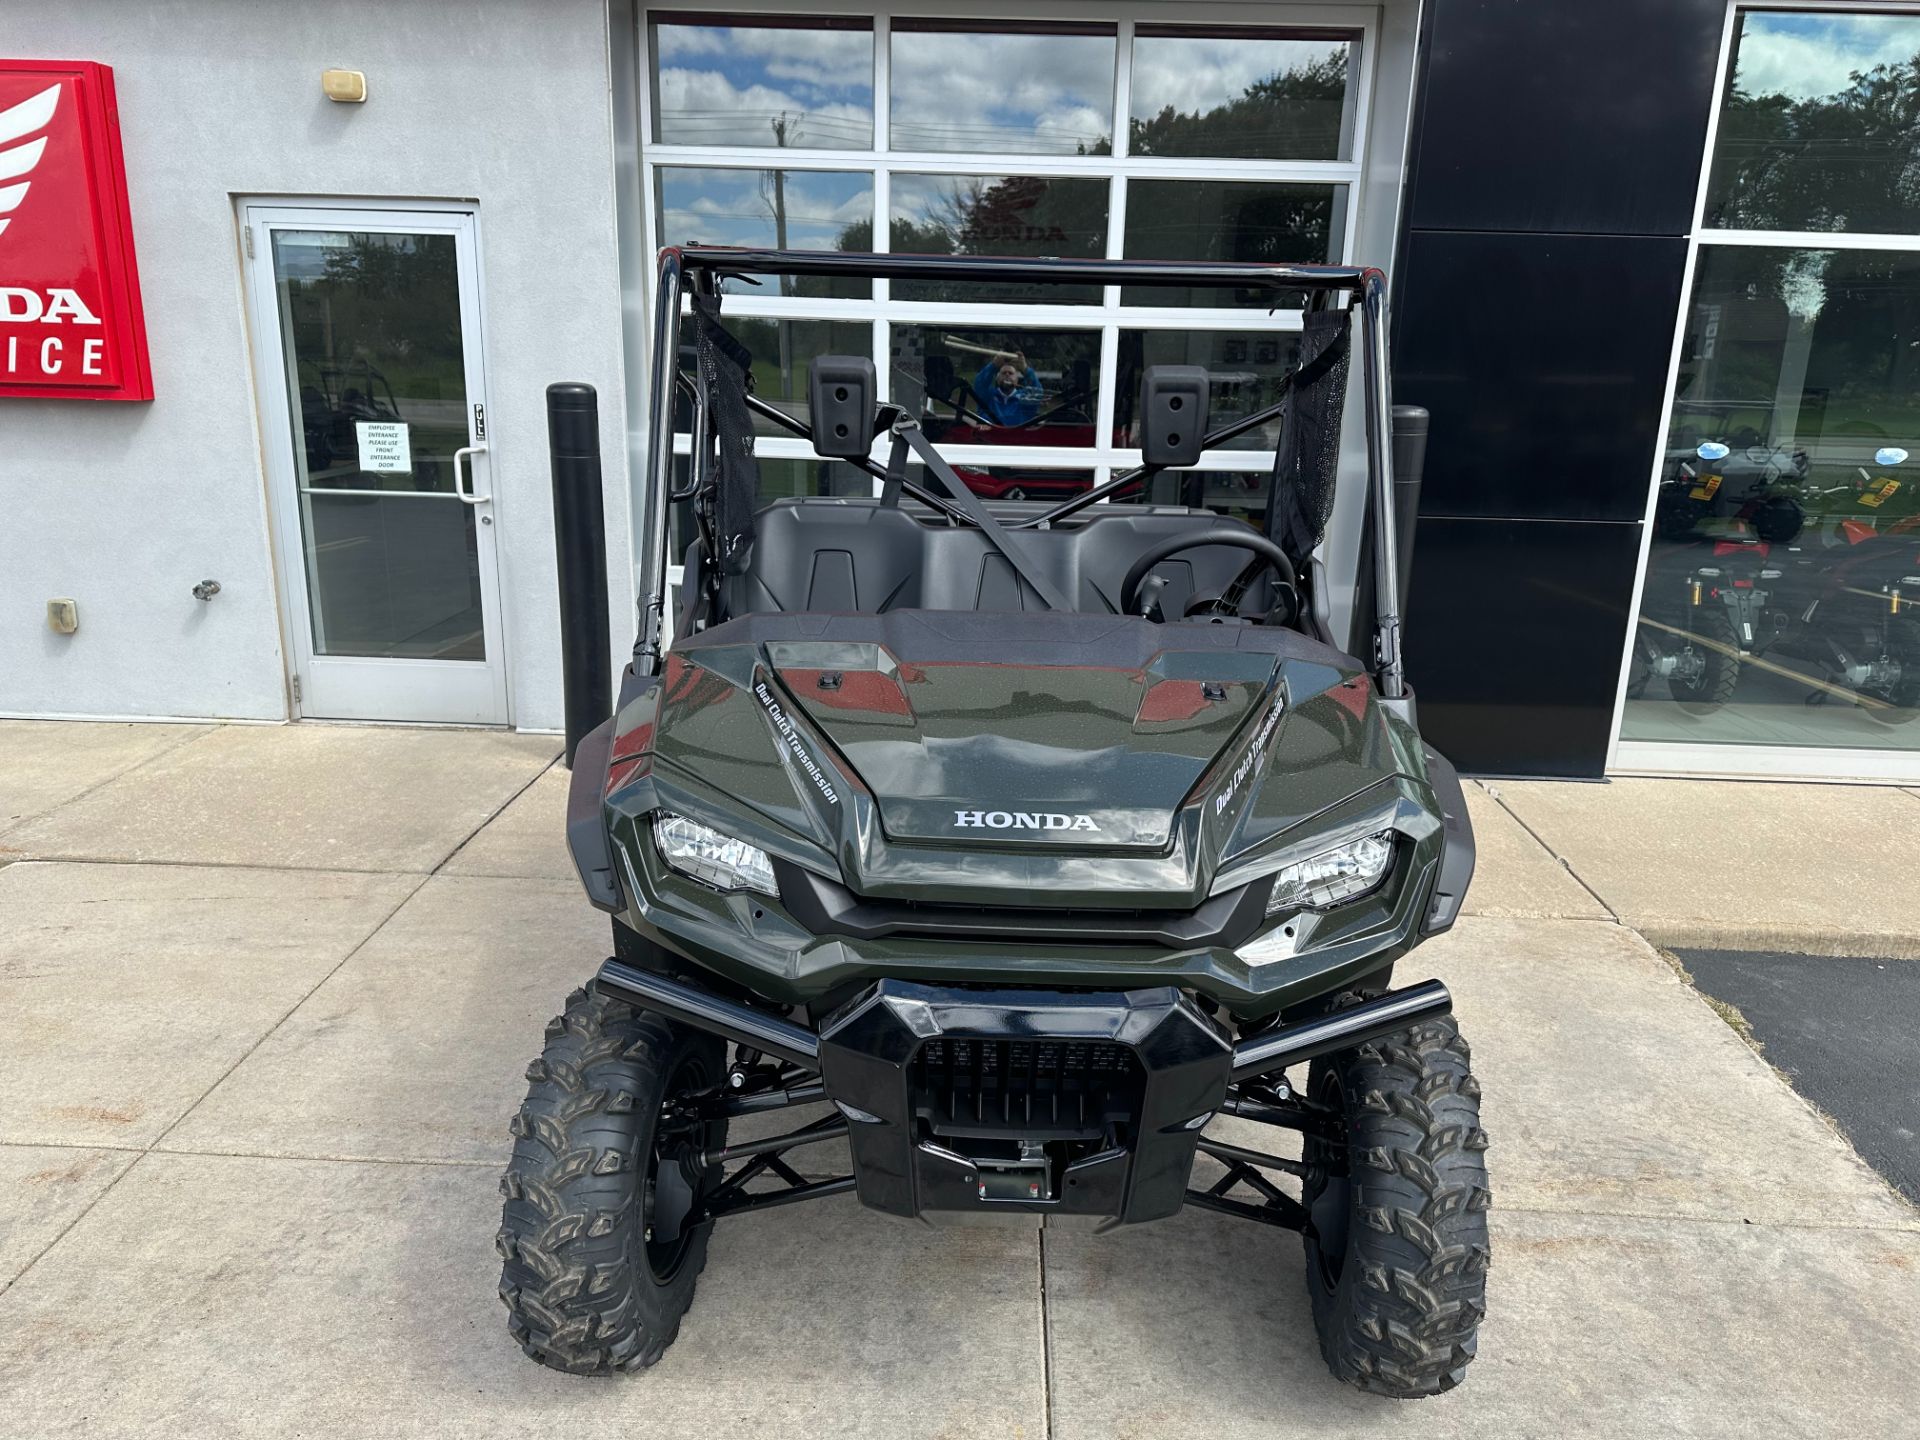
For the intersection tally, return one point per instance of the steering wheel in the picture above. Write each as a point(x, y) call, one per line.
point(1267, 556)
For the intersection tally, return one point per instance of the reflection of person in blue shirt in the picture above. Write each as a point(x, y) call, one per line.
point(1008, 390)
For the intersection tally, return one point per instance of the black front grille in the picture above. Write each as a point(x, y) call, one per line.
point(1036, 1088)
point(828, 908)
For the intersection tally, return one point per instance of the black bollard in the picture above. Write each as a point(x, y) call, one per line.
point(580, 550)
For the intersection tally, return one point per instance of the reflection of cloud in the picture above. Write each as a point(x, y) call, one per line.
point(958, 92)
point(1807, 57)
point(704, 107)
point(845, 55)
point(1196, 75)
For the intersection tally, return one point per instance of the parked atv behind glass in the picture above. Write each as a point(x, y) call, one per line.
point(1034, 839)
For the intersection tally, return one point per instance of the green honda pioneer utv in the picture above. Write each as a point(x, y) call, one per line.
point(1028, 840)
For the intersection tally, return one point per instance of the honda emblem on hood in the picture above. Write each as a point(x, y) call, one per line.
point(1020, 820)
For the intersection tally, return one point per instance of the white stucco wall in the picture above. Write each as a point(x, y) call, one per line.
point(125, 506)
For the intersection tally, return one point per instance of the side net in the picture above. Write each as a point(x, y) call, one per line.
point(1308, 455)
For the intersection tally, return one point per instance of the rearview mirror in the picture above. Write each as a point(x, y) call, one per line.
point(843, 402)
point(1173, 415)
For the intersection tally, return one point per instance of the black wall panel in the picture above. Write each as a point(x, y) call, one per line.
point(1553, 165)
point(1544, 361)
point(1514, 634)
point(1586, 116)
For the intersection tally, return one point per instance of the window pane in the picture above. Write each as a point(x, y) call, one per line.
point(998, 215)
point(790, 83)
point(1038, 90)
point(1244, 373)
point(1818, 128)
point(1231, 220)
point(1788, 514)
point(781, 350)
point(998, 387)
point(1234, 494)
point(1241, 94)
point(772, 209)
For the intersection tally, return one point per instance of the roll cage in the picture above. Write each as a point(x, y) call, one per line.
point(697, 271)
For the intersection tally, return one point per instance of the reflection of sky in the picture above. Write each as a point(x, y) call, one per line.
point(1196, 75)
point(1050, 93)
point(723, 85)
point(1805, 56)
point(736, 207)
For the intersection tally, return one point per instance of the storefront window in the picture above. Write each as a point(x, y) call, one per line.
point(781, 350)
point(769, 209)
point(1819, 128)
point(1246, 372)
point(999, 215)
point(1001, 386)
point(1232, 220)
point(1777, 604)
point(1000, 87)
point(1257, 95)
point(790, 82)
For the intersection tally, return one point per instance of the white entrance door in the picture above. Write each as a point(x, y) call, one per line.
point(367, 324)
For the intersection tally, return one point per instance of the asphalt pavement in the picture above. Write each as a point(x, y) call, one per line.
point(1845, 1030)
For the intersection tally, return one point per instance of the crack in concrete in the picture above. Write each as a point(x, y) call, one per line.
point(1540, 840)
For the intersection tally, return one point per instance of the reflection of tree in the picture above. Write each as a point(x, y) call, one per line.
point(1296, 114)
point(391, 296)
point(1846, 161)
point(1823, 341)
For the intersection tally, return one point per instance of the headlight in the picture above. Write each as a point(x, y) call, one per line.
point(1333, 875)
point(712, 858)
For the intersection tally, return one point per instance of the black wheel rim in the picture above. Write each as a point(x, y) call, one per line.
point(1330, 1193)
point(675, 1180)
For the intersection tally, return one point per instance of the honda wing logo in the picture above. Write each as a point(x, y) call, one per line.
point(28, 118)
point(1020, 820)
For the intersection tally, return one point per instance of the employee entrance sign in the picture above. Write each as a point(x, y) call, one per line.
point(70, 322)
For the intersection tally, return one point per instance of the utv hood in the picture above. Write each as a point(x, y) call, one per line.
point(1085, 751)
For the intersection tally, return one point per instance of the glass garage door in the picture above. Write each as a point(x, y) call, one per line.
point(1210, 138)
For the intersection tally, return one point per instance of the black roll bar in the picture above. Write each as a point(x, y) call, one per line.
point(1367, 286)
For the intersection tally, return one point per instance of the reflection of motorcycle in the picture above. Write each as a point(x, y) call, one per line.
point(1704, 606)
point(1756, 483)
point(1851, 592)
point(1841, 600)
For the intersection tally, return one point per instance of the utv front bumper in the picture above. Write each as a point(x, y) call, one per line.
point(1024, 1101)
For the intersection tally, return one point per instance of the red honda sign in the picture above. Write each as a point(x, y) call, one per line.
point(70, 324)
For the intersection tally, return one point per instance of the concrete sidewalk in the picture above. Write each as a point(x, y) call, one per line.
point(267, 996)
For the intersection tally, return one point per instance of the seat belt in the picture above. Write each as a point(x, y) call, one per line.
point(975, 511)
point(896, 473)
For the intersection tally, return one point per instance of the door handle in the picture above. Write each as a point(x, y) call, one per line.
point(461, 469)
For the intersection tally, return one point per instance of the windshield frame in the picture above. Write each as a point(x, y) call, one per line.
point(683, 269)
